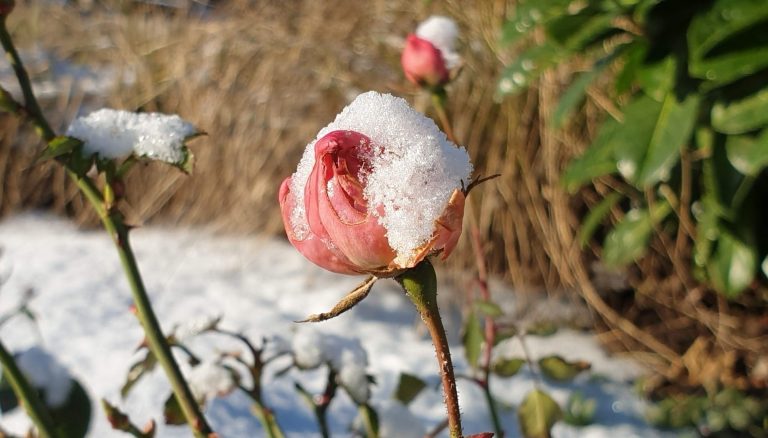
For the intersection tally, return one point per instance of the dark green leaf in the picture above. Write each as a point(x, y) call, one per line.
point(137, 371)
point(59, 146)
point(488, 308)
point(473, 339)
point(726, 42)
point(741, 116)
point(658, 79)
point(597, 159)
point(172, 412)
point(542, 328)
point(595, 217)
point(526, 15)
point(408, 388)
point(633, 60)
point(653, 133)
point(557, 368)
point(73, 417)
point(537, 414)
point(733, 264)
point(749, 155)
point(577, 31)
point(507, 367)
point(628, 241)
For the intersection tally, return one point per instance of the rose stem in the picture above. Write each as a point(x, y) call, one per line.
point(420, 284)
point(490, 331)
point(439, 97)
point(28, 395)
point(113, 223)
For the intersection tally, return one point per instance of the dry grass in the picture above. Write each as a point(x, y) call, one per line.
point(263, 77)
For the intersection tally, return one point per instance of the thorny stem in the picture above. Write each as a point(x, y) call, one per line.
point(113, 223)
point(28, 395)
point(490, 331)
point(420, 285)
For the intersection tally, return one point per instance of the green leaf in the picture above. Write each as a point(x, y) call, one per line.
point(628, 241)
point(577, 31)
point(408, 388)
point(137, 371)
point(527, 67)
point(635, 55)
point(73, 417)
point(653, 133)
point(580, 411)
point(749, 155)
point(733, 264)
point(596, 161)
point(473, 339)
point(595, 217)
point(507, 367)
point(526, 15)
point(488, 308)
point(557, 368)
point(573, 97)
point(537, 414)
point(59, 146)
point(728, 40)
point(658, 79)
point(741, 116)
point(172, 412)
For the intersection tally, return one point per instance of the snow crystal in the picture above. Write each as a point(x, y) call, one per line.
point(46, 374)
point(414, 169)
point(442, 32)
point(116, 134)
point(210, 379)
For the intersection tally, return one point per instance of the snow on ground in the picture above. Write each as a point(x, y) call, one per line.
point(259, 286)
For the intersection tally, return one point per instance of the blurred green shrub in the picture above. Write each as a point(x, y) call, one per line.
point(689, 136)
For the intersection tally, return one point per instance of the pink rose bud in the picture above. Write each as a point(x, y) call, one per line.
point(423, 64)
point(365, 203)
point(429, 55)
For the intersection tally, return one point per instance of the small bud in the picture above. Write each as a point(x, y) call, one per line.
point(149, 429)
point(6, 7)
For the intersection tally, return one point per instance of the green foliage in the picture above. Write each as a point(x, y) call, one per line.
point(507, 367)
point(408, 387)
point(689, 80)
point(580, 411)
point(557, 368)
point(537, 414)
point(727, 413)
point(473, 339)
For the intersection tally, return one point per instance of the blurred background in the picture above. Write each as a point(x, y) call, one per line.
point(262, 77)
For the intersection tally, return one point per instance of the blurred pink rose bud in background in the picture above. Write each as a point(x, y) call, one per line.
point(377, 192)
point(429, 54)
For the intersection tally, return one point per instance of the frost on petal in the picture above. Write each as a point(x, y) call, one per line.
point(210, 379)
point(442, 32)
point(414, 169)
point(118, 134)
point(46, 374)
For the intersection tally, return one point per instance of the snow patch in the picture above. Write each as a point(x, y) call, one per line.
point(46, 374)
point(117, 134)
point(442, 32)
point(209, 380)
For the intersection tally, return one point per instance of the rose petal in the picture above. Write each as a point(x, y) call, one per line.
point(311, 247)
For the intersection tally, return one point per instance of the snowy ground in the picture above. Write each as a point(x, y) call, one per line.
point(259, 286)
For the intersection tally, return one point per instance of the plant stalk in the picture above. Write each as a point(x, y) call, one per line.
point(27, 395)
point(114, 225)
point(420, 285)
point(439, 98)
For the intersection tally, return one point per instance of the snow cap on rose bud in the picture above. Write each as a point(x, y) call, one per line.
point(429, 55)
point(379, 190)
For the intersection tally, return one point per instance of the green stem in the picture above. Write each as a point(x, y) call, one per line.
point(30, 102)
point(439, 98)
point(114, 225)
point(27, 395)
point(420, 285)
point(267, 420)
point(492, 407)
point(370, 421)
